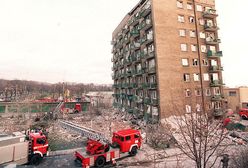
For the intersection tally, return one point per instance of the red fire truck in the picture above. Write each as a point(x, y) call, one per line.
point(100, 151)
point(23, 149)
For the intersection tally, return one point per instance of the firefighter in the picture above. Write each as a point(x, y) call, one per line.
point(225, 160)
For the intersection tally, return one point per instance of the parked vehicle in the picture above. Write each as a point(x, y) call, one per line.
point(23, 148)
point(243, 112)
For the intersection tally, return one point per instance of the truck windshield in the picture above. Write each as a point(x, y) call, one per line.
point(41, 141)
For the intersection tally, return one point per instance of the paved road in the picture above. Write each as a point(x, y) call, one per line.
point(55, 162)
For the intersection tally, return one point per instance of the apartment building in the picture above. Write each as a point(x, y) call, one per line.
point(166, 59)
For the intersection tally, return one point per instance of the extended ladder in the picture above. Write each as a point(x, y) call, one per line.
point(84, 131)
point(57, 109)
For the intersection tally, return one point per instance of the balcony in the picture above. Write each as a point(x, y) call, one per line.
point(216, 83)
point(154, 101)
point(130, 97)
point(210, 28)
point(146, 39)
point(152, 85)
point(123, 95)
point(133, 85)
point(218, 112)
point(215, 68)
point(143, 54)
point(146, 10)
point(126, 40)
point(139, 72)
point(135, 33)
point(212, 41)
point(210, 13)
point(151, 70)
point(214, 54)
point(217, 98)
point(145, 85)
point(135, 46)
point(146, 24)
point(134, 20)
point(119, 45)
point(147, 100)
point(151, 54)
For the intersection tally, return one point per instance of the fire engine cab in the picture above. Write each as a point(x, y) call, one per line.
point(97, 154)
point(38, 147)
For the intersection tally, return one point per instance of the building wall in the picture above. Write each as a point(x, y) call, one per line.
point(243, 96)
point(232, 96)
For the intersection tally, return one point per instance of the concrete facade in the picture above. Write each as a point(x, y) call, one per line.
point(236, 98)
point(165, 57)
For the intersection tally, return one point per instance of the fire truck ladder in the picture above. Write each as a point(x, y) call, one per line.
point(57, 109)
point(84, 131)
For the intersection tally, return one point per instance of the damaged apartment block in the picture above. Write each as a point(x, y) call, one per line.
point(164, 52)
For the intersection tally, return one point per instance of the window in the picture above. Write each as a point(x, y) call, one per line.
point(180, 18)
point(186, 77)
point(193, 47)
point(205, 77)
point(201, 22)
point(196, 77)
point(232, 93)
point(195, 62)
point(198, 92)
point(179, 4)
point(204, 62)
point(212, 48)
point(41, 141)
point(128, 138)
point(198, 107)
point(183, 47)
point(199, 8)
point(207, 92)
point(192, 33)
point(217, 105)
point(136, 136)
point(122, 139)
point(189, 6)
point(203, 48)
point(191, 19)
point(187, 92)
point(188, 108)
point(216, 91)
point(202, 35)
point(185, 62)
point(182, 32)
point(213, 63)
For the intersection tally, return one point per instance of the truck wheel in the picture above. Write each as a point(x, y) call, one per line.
point(244, 117)
point(100, 161)
point(78, 162)
point(35, 159)
point(76, 111)
point(133, 151)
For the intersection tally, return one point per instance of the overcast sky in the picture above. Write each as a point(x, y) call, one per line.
point(69, 40)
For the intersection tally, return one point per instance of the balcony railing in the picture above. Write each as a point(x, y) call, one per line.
point(215, 68)
point(146, 24)
point(216, 83)
point(214, 54)
point(218, 112)
point(135, 33)
point(151, 70)
point(135, 45)
point(135, 19)
point(153, 85)
point(212, 41)
point(146, 10)
point(154, 101)
point(146, 39)
point(210, 27)
point(210, 13)
point(217, 98)
point(147, 100)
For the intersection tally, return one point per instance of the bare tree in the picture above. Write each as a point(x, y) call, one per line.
point(198, 136)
